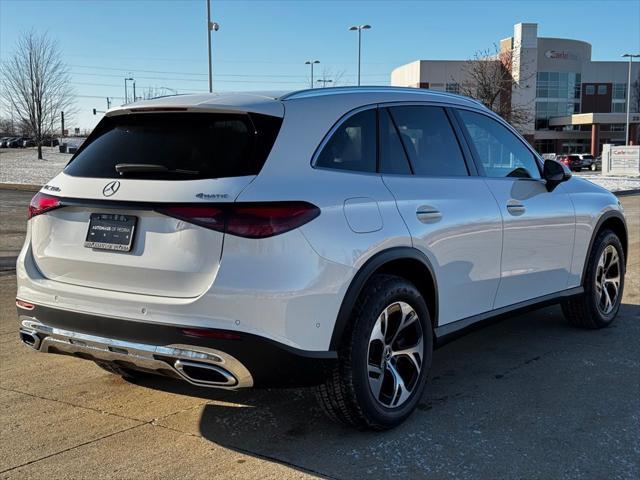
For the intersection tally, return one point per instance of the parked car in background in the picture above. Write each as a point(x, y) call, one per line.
point(7, 141)
point(16, 142)
point(587, 160)
point(28, 142)
point(3, 141)
point(354, 242)
point(573, 162)
point(597, 164)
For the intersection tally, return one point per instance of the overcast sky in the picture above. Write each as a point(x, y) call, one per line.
point(264, 44)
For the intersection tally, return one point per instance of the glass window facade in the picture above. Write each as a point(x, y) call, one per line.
point(619, 98)
point(453, 87)
point(619, 91)
point(557, 94)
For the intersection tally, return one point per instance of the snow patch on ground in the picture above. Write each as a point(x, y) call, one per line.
point(21, 165)
point(611, 183)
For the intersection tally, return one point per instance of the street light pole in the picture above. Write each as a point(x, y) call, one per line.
point(312, 63)
point(209, 43)
point(324, 81)
point(359, 28)
point(126, 94)
point(631, 56)
point(211, 26)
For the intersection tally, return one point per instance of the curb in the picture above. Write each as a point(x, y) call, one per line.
point(20, 186)
point(624, 193)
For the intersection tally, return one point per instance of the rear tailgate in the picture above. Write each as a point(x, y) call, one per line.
point(110, 234)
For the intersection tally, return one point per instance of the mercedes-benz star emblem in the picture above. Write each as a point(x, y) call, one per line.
point(111, 188)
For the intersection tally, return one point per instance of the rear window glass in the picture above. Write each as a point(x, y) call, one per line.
point(176, 146)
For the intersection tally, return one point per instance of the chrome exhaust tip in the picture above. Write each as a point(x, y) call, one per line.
point(204, 374)
point(30, 339)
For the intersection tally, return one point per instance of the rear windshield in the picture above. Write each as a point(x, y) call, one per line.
point(176, 146)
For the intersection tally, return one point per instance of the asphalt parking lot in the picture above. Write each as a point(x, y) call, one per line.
point(529, 397)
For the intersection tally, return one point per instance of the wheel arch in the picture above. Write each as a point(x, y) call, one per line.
point(614, 221)
point(406, 262)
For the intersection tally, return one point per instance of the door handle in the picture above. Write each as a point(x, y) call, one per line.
point(515, 208)
point(428, 214)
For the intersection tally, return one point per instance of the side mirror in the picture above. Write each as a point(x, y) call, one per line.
point(555, 173)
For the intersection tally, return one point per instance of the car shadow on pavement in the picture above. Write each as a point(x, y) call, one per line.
point(506, 387)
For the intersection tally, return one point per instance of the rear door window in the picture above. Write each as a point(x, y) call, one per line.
point(429, 141)
point(352, 145)
point(176, 146)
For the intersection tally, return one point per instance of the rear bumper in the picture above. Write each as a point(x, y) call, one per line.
point(240, 361)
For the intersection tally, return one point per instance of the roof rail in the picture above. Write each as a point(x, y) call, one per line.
point(319, 92)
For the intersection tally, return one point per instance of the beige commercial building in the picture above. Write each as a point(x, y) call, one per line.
point(574, 104)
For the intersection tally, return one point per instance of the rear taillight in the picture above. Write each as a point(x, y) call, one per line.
point(41, 203)
point(247, 220)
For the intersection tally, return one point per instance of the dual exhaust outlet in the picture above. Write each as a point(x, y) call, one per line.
point(198, 373)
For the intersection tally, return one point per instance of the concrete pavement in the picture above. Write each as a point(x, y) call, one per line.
point(527, 397)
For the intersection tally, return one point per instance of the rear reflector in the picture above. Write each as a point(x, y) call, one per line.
point(247, 220)
point(41, 203)
point(206, 333)
point(24, 305)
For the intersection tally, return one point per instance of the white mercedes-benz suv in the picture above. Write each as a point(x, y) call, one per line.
point(328, 237)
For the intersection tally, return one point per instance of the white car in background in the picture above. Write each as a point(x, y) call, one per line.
point(328, 237)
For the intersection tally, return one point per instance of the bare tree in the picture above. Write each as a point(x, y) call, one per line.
point(489, 80)
point(36, 85)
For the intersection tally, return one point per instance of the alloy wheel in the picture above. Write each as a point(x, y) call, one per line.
point(395, 354)
point(607, 280)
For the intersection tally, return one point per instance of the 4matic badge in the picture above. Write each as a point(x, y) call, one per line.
point(211, 196)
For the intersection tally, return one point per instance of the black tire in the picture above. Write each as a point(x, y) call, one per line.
point(346, 396)
point(583, 311)
point(126, 373)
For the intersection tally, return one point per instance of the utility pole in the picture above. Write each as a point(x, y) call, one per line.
point(108, 103)
point(631, 56)
point(134, 90)
point(62, 125)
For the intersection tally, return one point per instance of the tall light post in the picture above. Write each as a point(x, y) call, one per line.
point(324, 81)
point(211, 26)
point(359, 28)
point(126, 95)
point(631, 56)
point(312, 63)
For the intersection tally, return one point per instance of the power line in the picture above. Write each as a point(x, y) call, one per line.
point(136, 70)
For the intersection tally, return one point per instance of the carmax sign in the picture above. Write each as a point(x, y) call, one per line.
point(560, 55)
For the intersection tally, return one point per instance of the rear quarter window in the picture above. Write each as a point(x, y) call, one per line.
point(177, 146)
